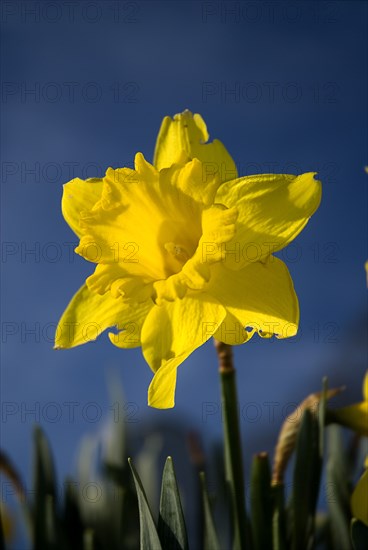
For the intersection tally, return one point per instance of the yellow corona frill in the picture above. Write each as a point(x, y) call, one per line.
point(183, 250)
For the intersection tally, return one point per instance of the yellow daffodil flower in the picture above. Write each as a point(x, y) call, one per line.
point(354, 416)
point(184, 252)
point(359, 499)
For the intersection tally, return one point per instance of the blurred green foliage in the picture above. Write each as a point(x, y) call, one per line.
point(122, 518)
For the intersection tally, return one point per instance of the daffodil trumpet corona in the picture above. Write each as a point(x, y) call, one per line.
point(183, 250)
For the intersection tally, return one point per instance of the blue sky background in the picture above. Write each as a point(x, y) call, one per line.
point(283, 85)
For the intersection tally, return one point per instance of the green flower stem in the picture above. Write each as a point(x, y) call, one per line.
point(232, 442)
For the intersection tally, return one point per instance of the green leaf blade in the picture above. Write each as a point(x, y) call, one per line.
point(46, 529)
point(306, 482)
point(261, 502)
point(338, 490)
point(211, 541)
point(171, 524)
point(359, 534)
point(149, 539)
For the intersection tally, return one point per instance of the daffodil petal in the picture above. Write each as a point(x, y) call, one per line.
point(78, 196)
point(260, 296)
point(161, 392)
point(139, 222)
point(273, 209)
point(354, 417)
point(219, 227)
point(129, 335)
point(189, 178)
point(89, 314)
point(170, 333)
point(187, 132)
point(232, 332)
point(359, 499)
point(365, 387)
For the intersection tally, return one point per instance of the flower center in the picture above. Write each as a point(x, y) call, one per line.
point(150, 229)
point(178, 252)
point(177, 241)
